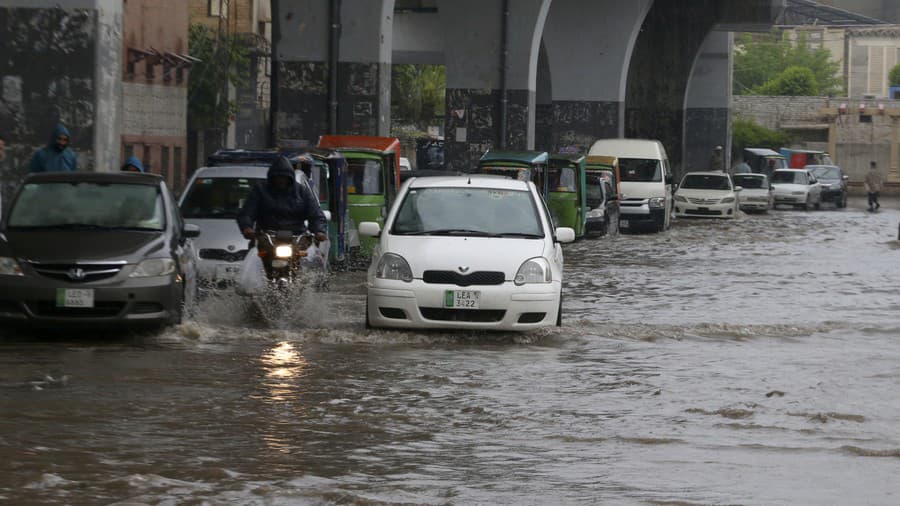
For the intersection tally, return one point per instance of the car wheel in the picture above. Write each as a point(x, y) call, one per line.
point(559, 312)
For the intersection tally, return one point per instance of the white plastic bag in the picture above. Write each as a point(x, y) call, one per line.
point(253, 274)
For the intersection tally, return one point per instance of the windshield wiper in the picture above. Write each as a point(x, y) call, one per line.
point(451, 231)
point(520, 234)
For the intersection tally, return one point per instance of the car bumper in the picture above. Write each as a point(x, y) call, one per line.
point(154, 300)
point(501, 307)
point(754, 205)
point(683, 209)
point(212, 272)
point(832, 195)
point(634, 216)
point(790, 199)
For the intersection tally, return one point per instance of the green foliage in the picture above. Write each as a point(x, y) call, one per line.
point(224, 59)
point(894, 76)
point(747, 134)
point(417, 92)
point(794, 82)
point(760, 59)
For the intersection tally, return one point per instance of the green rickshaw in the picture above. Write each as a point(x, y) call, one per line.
point(568, 195)
point(521, 165)
point(373, 178)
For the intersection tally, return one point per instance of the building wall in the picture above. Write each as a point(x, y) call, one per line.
point(154, 94)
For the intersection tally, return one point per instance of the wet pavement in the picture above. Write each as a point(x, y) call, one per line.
point(747, 362)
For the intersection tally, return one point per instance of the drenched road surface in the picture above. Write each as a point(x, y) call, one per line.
point(752, 362)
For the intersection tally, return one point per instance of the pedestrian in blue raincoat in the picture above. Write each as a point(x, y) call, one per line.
point(56, 156)
point(132, 164)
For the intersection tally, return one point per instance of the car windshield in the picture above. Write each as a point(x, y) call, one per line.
point(88, 205)
point(594, 186)
point(705, 182)
point(468, 212)
point(640, 170)
point(789, 177)
point(217, 197)
point(562, 179)
point(827, 172)
point(750, 182)
point(364, 176)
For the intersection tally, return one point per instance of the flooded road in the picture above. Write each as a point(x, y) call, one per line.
point(752, 362)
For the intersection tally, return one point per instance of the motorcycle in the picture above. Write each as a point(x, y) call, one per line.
point(282, 253)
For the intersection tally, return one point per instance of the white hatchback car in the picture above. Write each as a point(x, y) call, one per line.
point(473, 252)
point(708, 194)
point(797, 187)
point(756, 193)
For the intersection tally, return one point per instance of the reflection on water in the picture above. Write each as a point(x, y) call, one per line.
point(744, 362)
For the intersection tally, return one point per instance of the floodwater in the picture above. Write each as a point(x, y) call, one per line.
point(748, 362)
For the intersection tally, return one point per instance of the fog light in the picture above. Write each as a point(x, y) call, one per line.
point(283, 251)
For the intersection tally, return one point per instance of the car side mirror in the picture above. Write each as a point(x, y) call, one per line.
point(738, 188)
point(565, 234)
point(845, 177)
point(190, 231)
point(327, 215)
point(369, 229)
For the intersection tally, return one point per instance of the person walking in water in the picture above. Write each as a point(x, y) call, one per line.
point(873, 184)
point(56, 156)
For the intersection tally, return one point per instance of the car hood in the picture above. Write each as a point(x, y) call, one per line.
point(754, 192)
point(830, 181)
point(636, 190)
point(218, 234)
point(72, 245)
point(473, 253)
point(790, 187)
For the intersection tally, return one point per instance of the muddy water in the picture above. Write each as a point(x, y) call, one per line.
point(753, 362)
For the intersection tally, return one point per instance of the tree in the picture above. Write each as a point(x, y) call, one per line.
point(747, 134)
point(760, 59)
point(224, 59)
point(894, 76)
point(794, 82)
point(417, 92)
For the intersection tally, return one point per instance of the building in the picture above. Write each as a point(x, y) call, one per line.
point(155, 65)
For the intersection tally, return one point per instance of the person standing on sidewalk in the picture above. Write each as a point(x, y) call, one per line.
point(873, 184)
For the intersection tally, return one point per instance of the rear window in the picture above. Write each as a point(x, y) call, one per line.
point(364, 177)
point(217, 197)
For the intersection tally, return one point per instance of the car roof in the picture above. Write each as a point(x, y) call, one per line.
point(117, 177)
point(475, 181)
point(749, 174)
point(628, 148)
point(515, 156)
point(821, 166)
point(251, 171)
point(706, 173)
point(764, 152)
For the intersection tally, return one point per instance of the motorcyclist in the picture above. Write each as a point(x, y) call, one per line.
point(282, 204)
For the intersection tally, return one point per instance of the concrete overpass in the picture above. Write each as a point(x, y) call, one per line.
point(523, 74)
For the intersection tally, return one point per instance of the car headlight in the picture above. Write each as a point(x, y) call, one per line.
point(154, 267)
point(9, 267)
point(679, 198)
point(798, 193)
point(534, 270)
point(596, 213)
point(657, 202)
point(392, 266)
point(728, 200)
point(284, 251)
point(826, 186)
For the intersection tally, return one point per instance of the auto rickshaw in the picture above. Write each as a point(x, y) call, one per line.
point(764, 160)
point(568, 196)
point(521, 165)
point(799, 158)
point(373, 178)
point(604, 166)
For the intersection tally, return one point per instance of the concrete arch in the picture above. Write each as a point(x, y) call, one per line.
point(707, 102)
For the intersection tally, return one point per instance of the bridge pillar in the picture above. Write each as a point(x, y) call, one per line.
point(302, 48)
point(707, 116)
point(589, 47)
point(473, 55)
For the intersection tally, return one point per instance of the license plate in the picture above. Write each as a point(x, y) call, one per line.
point(227, 272)
point(461, 299)
point(623, 223)
point(67, 297)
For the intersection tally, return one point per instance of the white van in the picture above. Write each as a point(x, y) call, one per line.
point(645, 182)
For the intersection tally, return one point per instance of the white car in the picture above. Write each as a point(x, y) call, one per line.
point(471, 252)
point(756, 192)
point(796, 187)
point(707, 194)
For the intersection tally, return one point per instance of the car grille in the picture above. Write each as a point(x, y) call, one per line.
point(455, 278)
point(703, 202)
point(224, 255)
point(78, 273)
point(462, 315)
point(100, 309)
point(756, 199)
point(633, 202)
point(704, 212)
